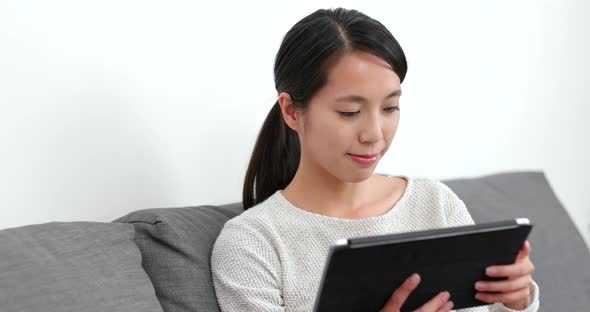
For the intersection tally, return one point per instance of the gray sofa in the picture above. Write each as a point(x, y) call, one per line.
point(158, 259)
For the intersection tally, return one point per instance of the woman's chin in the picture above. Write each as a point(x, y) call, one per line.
point(359, 175)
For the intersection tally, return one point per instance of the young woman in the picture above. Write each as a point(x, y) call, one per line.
point(311, 177)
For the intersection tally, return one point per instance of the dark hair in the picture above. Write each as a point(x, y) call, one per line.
point(301, 64)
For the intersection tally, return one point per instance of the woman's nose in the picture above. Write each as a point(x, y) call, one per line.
point(371, 130)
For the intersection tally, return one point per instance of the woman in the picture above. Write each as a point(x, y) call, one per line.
point(310, 180)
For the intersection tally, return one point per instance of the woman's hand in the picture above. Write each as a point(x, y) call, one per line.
point(439, 303)
point(514, 291)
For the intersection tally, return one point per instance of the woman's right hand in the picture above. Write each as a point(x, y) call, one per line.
point(440, 303)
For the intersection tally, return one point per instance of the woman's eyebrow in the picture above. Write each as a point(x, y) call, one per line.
point(358, 98)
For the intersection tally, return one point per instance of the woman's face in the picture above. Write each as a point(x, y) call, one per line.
point(351, 121)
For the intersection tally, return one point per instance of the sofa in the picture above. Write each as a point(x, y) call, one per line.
point(158, 259)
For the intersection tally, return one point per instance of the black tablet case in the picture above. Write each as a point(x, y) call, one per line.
point(362, 275)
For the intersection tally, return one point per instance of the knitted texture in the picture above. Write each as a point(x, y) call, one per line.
point(271, 257)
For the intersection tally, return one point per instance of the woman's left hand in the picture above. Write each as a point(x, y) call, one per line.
point(514, 291)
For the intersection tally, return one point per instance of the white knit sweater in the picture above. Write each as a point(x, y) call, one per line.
point(271, 257)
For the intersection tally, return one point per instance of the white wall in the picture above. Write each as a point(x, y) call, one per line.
point(113, 106)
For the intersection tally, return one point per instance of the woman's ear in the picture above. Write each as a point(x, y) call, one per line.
point(290, 114)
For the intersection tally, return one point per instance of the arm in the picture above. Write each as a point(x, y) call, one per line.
point(245, 271)
point(457, 215)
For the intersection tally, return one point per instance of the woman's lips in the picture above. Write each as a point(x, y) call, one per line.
point(364, 159)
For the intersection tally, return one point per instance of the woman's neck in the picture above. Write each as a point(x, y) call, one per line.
point(317, 190)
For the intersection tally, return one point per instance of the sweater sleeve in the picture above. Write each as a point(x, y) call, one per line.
point(245, 271)
point(458, 215)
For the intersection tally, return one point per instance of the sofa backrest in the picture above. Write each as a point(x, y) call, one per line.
point(560, 255)
point(176, 243)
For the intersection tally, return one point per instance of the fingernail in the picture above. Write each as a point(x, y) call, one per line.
point(478, 296)
point(451, 304)
point(491, 270)
point(413, 279)
point(479, 286)
point(445, 295)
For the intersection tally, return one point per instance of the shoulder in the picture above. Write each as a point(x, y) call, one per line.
point(245, 257)
point(253, 226)
point(257, 217)
point(425, 183)
point(456, 213)
point(431, 187)
point(438, 197)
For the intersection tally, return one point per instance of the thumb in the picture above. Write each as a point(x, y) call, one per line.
point(525, 251)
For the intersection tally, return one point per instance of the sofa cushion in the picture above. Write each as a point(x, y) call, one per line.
point(559, 253)
point(73, 266)
point(176, 245)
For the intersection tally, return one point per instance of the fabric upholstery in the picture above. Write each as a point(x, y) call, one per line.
point(176, 244)
point(560, 255)
point(73, 266)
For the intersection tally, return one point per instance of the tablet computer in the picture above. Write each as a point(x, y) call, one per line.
point(361, 274)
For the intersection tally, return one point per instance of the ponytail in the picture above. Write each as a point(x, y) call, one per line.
point(274, 160)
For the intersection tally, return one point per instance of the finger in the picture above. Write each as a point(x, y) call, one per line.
point(447, 307)
point(514, 296)
point(520, 268)
point(435, 303)
point(400, 295)
point(525, 251)
point(506, 285)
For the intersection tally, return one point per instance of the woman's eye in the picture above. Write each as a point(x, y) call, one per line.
point(390, 109)
point(348, 114)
